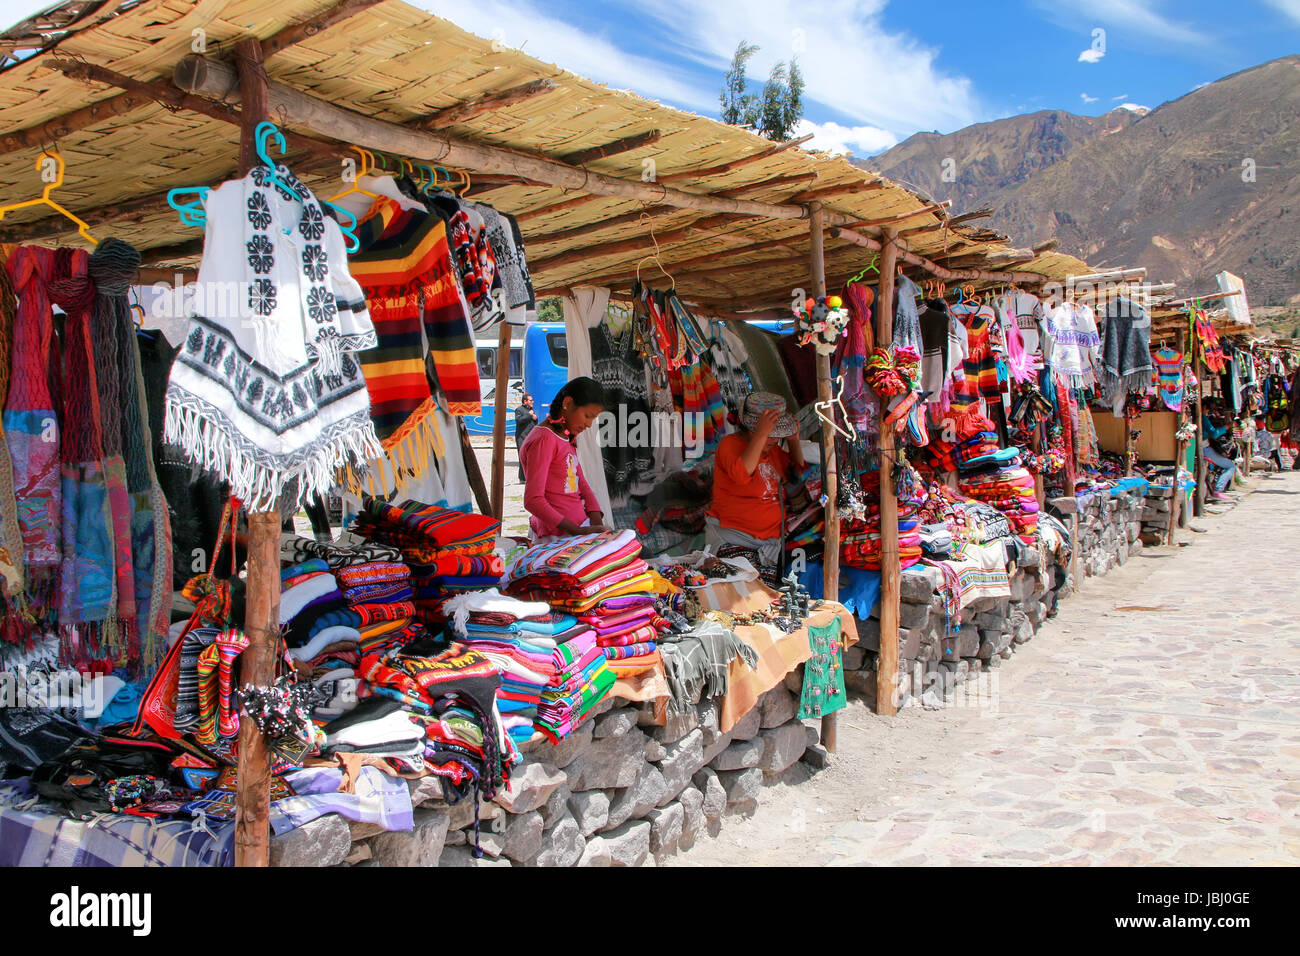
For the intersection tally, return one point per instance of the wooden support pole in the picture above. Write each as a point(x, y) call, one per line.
point(262, 609)
point(499, 422)
point(830, 474)
point(890, 571)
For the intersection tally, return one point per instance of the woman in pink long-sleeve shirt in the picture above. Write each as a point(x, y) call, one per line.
point(556, 493)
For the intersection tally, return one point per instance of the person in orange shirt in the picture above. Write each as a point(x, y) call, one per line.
point(749, 474)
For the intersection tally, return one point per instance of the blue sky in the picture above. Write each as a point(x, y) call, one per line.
point(878, 71)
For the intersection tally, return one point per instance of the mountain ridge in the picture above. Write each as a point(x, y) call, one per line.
point(1170, 189)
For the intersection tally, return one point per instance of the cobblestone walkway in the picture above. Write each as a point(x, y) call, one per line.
point(1156, 720)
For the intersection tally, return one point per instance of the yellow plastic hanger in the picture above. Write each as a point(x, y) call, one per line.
point(45, 200)
point(367, 165)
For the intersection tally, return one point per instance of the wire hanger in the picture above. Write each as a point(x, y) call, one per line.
point(367, 164)
point(875, 257)
point(655, 255)
point(830, 405)
point(44, 198)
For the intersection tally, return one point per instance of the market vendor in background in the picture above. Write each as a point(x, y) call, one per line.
point(556, 493)
point(1218, 439)
point(749, 475)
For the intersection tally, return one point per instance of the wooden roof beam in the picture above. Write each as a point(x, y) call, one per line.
point(214, 78)
point(858, 186)
point(948, 275)
point(735, 163)
point(624, 145)
point(478, 105)
point(43, 134)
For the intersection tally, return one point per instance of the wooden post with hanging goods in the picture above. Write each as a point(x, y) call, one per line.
point(1202, 468)
point(499, 421)
point(262, 609)
point(830, 476)
point(890, 571)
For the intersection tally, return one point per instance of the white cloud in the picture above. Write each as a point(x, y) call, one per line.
point(853, 67)
point(1090, 56)
point(1122, 96)
point(521, 25)
point(1088, 99)
point(851, 62)
point(859, 141)
point(1136, 16)
point(1290, 8)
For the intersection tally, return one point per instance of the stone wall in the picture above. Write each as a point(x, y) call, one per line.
point(616, 792)
point(620, 790)
point(932, 665)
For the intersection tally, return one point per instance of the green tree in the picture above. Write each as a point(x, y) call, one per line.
point(738, 108)
point(550, 310)
point(776, 111)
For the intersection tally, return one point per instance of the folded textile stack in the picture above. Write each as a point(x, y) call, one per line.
point(448, 551)
point(860, 537)
point(981, 451)
point(1011, 491)
point(322, 646)
point(451, 694)
point(370, 610)
point(603, 582)
point(523, 639)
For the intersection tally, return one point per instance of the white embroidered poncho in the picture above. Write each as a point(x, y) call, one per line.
point(266, 392)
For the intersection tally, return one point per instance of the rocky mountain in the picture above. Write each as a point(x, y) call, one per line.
point(1207, 182)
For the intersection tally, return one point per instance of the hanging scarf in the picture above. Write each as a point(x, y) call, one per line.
point(1169, 382)
point(12, 578)
point(851, 355)
point(30, 422)
point(147, 547)
point(1126, 351)
point(94, 614)
point(266, 392)
point(1073, 331)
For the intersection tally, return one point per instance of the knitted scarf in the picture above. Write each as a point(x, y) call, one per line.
point(405, 267)
point(12, 580)
point(1126, 351)
point(30, 421)
point(113, 266)
point(266, 392)
point(96, 614)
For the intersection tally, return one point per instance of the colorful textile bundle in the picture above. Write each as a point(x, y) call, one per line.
point(1010, 491)
point(1072, 329)
point(434, 541)
point(335, 555)
point(1169, 377)
point(1211, 350)
point(453, 694)
point(525, 641)
point(602, 580)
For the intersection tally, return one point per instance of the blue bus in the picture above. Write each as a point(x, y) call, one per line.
point(540, 367)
